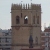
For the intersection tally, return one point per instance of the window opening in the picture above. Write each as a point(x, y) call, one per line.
point(25, 19)
point(37, 19)
point(17, 20)
point(33, 19)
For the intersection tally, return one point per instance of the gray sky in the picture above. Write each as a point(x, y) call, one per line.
point(5, 9)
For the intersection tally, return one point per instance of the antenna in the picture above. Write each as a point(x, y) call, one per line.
point(31, 2)
point(21, 1)
point(44, 25)
point(49, 25)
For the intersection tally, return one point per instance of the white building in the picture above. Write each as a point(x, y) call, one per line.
point(45, 36)
point(5, 39)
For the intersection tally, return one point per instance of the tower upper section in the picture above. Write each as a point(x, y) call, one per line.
point(25, 14)
point(26, 6)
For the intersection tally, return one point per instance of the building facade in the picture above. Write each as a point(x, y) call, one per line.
point(26, 26)
point(5, 39)
point(45, 38)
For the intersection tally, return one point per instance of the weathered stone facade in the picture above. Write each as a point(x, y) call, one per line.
point(23, 27)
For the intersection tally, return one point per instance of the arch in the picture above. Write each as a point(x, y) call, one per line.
point(26, 20)
point(17, 20)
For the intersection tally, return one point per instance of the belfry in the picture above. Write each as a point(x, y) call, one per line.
point(26, 26)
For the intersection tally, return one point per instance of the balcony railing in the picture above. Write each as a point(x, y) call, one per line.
point(5, 46)
point(5, 36)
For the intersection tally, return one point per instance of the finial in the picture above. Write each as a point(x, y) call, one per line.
point(23, 6)
point(26, 6)
point(31, 2)
point(21, 2)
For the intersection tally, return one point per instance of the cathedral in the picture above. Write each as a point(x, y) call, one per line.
point(26, 26)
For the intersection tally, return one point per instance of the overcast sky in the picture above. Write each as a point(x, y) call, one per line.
point(5, 9)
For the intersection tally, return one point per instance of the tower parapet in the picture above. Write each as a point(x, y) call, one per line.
point(26, 6)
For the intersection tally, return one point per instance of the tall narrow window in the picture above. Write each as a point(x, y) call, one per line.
point(25, 19)
point(17, 20)
point(21, 15)
point(37, 19)
point(5, 39)
point(33, 19)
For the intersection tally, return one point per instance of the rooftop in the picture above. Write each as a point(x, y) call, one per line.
point(26, 6)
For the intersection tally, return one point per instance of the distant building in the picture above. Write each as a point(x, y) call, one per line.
point(26, 26)
point(45, 38)
point(5, 39)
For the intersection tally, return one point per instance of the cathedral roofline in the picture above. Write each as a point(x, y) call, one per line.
point(26, 6)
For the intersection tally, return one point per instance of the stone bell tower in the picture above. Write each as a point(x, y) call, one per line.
point(26, 25)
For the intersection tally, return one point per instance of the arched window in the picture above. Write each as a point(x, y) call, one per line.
point(36, 40)
point(17, 20)
point(33, 19)
point(25, 19)
point(37, 19)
